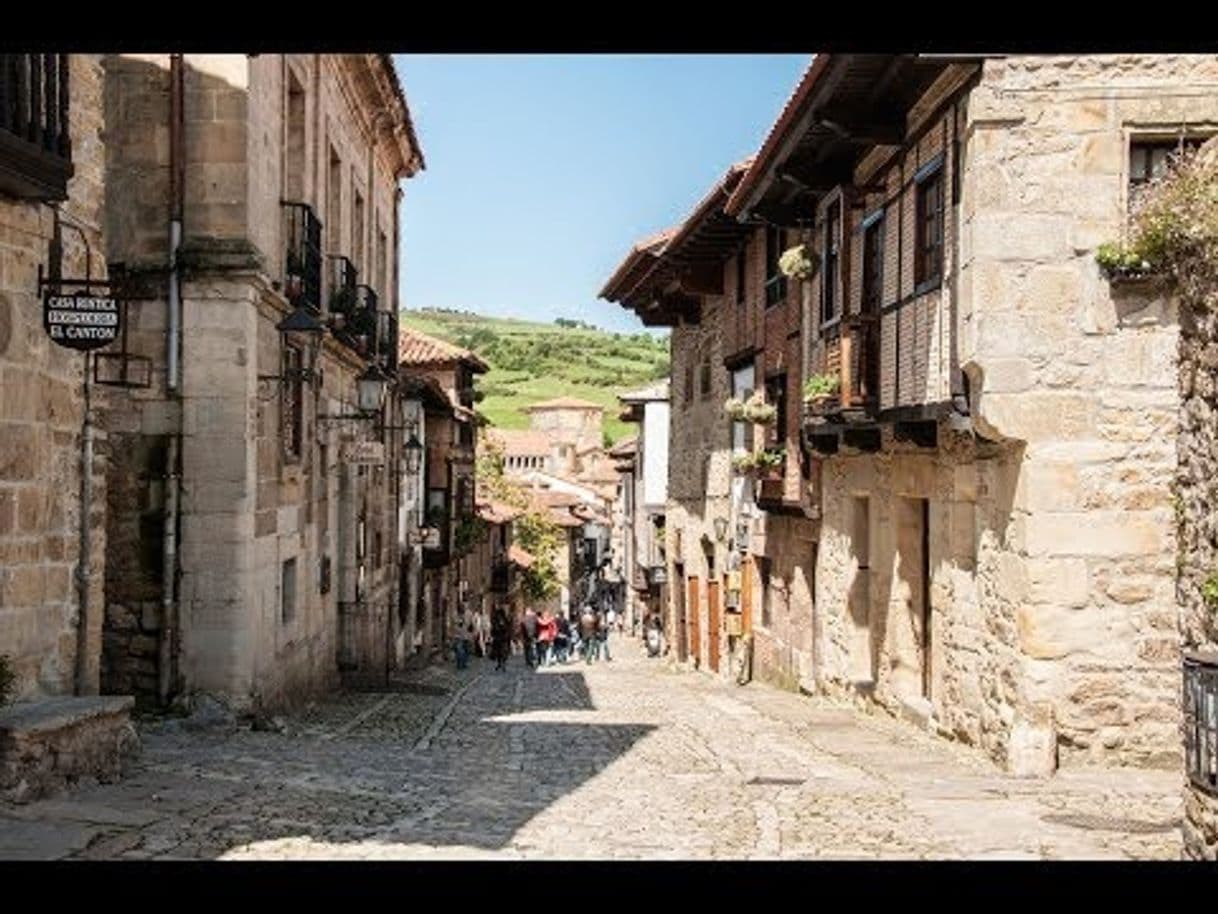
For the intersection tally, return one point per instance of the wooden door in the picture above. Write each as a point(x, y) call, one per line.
point(746, 595)
point(695, 633)
point(713, 624)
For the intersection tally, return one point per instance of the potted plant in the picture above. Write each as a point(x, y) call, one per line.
point(744, 464)
point(1118, 261)
point(820, 388)
point(769, 463)
point(798, 262)
point(758, 410)
point(734, 408)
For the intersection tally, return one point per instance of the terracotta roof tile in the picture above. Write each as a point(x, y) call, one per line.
point(417, 348)
point(517, 442)
point(521, 557)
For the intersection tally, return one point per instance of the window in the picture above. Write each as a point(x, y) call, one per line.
point(689, 384)
point(35, 146)
point(706, 376)
point(928, 245)
point(382, 262)
point(740, 286)
point(287, 591)
point(357, 232)
point(831, 282)
point(742, 389)
point(334, 204)
point(1148, 159)
point(291, 410)
point(873, 264)
point(775, 282)
point(294, 152)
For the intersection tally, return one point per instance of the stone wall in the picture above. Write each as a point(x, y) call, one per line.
point(1197, 496)
point(870, 586)
point(249, 509)
point(1083, 373)
point(699, 472)
point(41, 414)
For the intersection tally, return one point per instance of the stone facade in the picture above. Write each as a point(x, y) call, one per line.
point(287, 559)
point(699, 489)
point(42, 410)
point(1036, 616)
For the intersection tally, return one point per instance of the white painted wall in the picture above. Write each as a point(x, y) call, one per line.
point(654, 446)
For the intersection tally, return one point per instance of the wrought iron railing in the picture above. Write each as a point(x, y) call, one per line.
point(1201, 720)
point(343, 280)
point(302, 256)
point(35, 142)
point(387, 340)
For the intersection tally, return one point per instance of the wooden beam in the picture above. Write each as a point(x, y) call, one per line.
point(705, 279)
point(880, 132)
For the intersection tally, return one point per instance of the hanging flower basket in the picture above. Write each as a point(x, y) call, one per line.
point(798, 262)
point(734, 409)
point(757, 410)
point(760, 464)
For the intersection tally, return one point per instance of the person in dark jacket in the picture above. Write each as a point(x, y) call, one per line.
point(501, 633)
point(529, 630)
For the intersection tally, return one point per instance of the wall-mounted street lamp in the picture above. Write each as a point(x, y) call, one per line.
point(414, 453)
point(302, 332)
point(370, 388)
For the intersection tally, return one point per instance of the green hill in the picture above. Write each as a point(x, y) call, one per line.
point(531, 362)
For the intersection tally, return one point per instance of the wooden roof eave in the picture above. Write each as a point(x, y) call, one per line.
point(863, 102)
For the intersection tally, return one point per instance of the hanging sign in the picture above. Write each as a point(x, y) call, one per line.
point(81, 320)
point(365, 453)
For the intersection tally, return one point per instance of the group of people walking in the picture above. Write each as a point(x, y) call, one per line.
point(544, 638)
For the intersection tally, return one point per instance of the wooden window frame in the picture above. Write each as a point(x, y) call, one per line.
point(929, 225)
point(831, 287)
point(873, 227)
point(776, 395)
point(775, 282)
point(35, 127)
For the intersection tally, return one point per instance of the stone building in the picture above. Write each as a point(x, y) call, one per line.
point(644, 492)
point(252, 214)
point(996, 544)
point(573, 427)
point(447, 479)
point(971, 524)
point(51, 221)
point(740, 548)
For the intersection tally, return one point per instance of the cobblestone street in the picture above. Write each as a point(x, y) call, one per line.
point(613, 760)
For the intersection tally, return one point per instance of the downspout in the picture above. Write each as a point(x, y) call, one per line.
point(173, 381)
point(83, 568)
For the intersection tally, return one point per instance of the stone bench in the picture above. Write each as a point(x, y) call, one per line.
point(49, 744)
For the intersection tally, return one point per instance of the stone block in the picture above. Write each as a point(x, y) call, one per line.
point(1041, 415)
point(1032, 749)
point(21, 451)
point(1016, 235)
point(1097, 533)
point(1048, 486)
point(1102, 153)
point(1059, 582)
point(1008, 375)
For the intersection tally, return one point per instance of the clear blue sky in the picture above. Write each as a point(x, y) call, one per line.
point(542, 170)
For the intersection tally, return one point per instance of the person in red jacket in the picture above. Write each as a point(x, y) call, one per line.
point(546, 630)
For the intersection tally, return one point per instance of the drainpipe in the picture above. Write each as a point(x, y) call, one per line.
point(173, 381)
point(83, 569)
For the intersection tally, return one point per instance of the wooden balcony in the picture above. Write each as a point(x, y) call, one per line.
point(850, 353)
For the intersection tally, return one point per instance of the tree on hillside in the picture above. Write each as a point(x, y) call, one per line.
point(533, 530)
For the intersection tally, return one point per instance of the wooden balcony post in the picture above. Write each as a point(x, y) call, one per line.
point(847, 366)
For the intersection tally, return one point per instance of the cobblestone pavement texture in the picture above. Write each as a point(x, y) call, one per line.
point(626, 759)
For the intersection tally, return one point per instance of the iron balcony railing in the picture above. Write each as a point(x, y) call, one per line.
point(1201, 720)
point(35, 144)
point(302, 257)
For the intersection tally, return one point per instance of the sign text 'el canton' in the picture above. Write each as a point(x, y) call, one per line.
point(80, 321)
